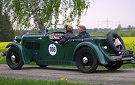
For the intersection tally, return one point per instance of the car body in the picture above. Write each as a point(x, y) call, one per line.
point(86, 53)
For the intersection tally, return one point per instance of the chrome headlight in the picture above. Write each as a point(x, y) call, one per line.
point(105, 47)
point(17, 39)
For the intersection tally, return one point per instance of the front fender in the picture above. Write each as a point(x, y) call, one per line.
point(17, 45)
point(98, 53)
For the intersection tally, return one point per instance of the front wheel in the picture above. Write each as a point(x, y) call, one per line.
point(86, 60)
point(14, 58)
point(114, 66)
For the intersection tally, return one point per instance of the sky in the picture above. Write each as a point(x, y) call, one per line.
point(109, 13)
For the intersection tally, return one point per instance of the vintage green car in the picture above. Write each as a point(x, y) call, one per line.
point(86, 54)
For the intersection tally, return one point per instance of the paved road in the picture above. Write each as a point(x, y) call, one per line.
point(120, 77)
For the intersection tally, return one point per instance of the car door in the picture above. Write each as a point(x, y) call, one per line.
point(51, 50)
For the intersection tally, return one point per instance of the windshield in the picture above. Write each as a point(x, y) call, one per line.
point(56, 28)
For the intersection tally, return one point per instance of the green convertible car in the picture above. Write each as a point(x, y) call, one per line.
point(86, 54)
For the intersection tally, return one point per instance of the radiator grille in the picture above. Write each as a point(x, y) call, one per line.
point(32, 45)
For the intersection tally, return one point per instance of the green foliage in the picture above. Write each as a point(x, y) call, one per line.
point(95, 29)
point(48, 11)
point(133, 33)
point(6, 31)
point(0, 7)
point(129, 27)
point(118, 28)
point(17, 32)
point(11, 81)
point(3, 49)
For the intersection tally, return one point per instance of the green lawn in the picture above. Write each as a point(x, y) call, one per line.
point(12, 81)
point(121, 33)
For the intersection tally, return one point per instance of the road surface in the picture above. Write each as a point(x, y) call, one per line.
point(120, 77)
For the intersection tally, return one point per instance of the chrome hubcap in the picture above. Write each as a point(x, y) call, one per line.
point(13, 57)
point(85, 60)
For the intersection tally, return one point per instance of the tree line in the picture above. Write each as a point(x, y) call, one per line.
point(6, 31)
point(42, 12)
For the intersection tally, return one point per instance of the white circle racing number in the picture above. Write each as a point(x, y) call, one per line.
point(52, 49)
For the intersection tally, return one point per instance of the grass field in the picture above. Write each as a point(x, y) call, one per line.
point(12, 81)
point(121, 33)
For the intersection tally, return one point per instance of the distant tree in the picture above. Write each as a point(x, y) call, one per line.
point(17, 32)
point(95, 29)
point(44, 12)
point(106, 29)
point(133, 26)
point(129, 27)
point(6, 31)
point(118, 27)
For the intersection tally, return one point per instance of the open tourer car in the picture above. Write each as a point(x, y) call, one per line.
point(86, 54)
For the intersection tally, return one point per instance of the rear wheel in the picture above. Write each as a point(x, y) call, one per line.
point(86, 60)
point(114, 66)
point(14, 58)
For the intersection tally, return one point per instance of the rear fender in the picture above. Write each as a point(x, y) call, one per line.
point(98, 53)
point(17, 45)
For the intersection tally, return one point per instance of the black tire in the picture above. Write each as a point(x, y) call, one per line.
point(111, 36)
point(86, 53)
point(42, 66)
point(14, 58)
point(114, 66)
